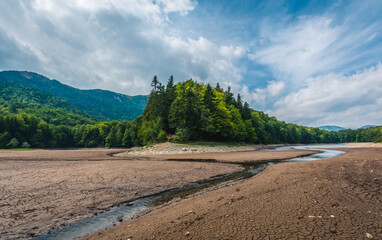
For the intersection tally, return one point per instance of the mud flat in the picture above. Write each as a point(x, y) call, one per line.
point(336, 198)
point(44, 190)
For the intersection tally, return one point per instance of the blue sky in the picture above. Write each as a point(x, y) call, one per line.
point(308, 62)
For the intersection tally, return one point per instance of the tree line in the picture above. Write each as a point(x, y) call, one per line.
point(186, 111)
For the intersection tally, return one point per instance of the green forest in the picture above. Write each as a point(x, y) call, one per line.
point(182, 112)
point(99, 105)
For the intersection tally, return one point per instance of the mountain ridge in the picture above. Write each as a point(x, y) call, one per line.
point(103, 104)
point(331, 128)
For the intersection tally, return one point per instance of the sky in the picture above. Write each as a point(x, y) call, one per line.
point(307, 62)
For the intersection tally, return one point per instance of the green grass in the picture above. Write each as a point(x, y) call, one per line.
point(216, 144)
point(18, 149)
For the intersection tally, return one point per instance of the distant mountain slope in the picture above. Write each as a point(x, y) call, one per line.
point(51, 109)
point(367, 126)
point(331, 128)
point(103, 104)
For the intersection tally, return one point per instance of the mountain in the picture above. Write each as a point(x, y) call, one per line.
point(331, 128)
point(100, 104)
point(51, 109)
point(367, 126)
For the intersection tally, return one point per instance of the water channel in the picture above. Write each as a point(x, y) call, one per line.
point(127, 211)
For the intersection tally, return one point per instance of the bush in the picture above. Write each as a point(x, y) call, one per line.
point(92, 144)
point(162, 136)
point(25, 145)
point(182, 135)
point(379, 139)
point(13, 143)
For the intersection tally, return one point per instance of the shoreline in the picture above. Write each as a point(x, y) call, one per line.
point(323, 203)
point(79, 198)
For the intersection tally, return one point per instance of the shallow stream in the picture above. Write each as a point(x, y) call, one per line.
point(127, 211)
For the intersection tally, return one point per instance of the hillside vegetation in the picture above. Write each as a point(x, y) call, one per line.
point(100, 104)
point(51, 109)
point(182, 112)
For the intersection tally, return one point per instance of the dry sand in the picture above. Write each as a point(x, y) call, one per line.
point(224, 154)
point(337, 198)
point(37, 195)
point(44, 190)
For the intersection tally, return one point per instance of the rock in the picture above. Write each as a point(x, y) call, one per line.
point(332, 216)
point(187, 233)
point(369, 236)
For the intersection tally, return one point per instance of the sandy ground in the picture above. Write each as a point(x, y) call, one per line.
point(37, 195)
point(337, 198)
point(177, 148)
point(364, 144)
point(44, 190)
point(241, 154)
point(238, 157)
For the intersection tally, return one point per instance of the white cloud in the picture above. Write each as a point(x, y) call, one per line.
point(112, 44)
point(351, 101)
point(299, 51)
point(260, 96)
point(312, 46)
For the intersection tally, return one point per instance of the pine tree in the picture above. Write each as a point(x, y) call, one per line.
point(246, 112)
point(228, 97)
point(239, 104)
point(208, 99)
point(155, 83)
point(218, 88)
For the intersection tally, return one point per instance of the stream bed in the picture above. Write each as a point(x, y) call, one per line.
point(127, 211)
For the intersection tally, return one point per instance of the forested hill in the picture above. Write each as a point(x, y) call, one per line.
point(53, 110)
point(186, 111)
point(101, 104)
point(195, 111)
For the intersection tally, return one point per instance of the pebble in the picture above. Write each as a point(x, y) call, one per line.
point(332, 216)
point(369, 236)
point(187, 233)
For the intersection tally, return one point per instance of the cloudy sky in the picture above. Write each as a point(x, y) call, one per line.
point(307, 62)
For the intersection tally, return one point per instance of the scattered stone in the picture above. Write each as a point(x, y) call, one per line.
point(187, 233)
point(332, 216)
point(369, 236)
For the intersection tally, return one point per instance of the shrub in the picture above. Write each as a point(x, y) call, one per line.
point(379, 139)
point(25, 145)
point(162, 136)
point(13, 143)
point(182, 134)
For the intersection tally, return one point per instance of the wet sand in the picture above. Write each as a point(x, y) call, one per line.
point(44, 190)
point(337, 198)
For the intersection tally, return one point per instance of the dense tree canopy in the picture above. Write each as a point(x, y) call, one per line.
point(185, 111)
